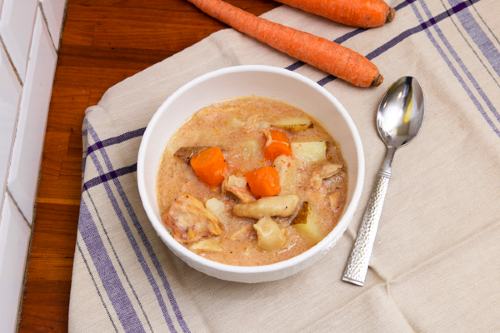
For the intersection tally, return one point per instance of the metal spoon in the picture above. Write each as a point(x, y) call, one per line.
point(399, 118)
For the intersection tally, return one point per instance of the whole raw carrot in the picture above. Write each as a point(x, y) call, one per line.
point(356, 13)
point(316, 51)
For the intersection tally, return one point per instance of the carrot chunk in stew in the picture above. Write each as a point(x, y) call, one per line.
point(209, 166)
point(264, 182)
point(277, 143)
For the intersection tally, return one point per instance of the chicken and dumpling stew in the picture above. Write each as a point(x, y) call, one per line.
point(251, 181)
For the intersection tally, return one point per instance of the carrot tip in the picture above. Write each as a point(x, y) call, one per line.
point(390, 15)
point(377, 81)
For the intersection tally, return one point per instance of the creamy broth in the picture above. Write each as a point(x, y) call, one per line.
point(237, 127)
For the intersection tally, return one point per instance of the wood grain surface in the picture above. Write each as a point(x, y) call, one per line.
point(103, 42)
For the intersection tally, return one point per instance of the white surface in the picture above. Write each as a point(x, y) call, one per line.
point(54, 12)
point(10, 91)
point(16, 27)
point(232, 82)
point(14, 241)
point(23, 175)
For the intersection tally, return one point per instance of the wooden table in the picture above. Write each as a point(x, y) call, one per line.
point(103, 42)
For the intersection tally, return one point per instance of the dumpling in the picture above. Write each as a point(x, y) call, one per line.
point(237, 185)
point(281, 205)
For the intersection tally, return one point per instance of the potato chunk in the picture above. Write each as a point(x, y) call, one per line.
point(302, 214)
point(189, 220)
point(269, 235)
point(216, 207)
point(287, 171)
point(293, 124)
point(306, 224)
point(283, 206)
point(313, 151)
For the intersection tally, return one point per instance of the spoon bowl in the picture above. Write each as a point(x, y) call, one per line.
point(400, 112)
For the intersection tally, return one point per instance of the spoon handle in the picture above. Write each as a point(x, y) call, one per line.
point(357, 265)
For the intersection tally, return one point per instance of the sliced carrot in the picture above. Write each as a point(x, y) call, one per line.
point(319, 52)
point(356, 13)
point(209, 166)
point(264, 182)
point(277, 144)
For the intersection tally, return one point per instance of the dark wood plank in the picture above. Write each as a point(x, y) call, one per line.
point(103, 42)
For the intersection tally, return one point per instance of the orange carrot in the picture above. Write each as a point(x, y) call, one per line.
point(264, 182)
point(277, 144)
point(356, 13)
point(316, 51)
point(209, 166)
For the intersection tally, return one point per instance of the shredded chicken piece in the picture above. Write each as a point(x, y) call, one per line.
point(282, 205)
point(287, 170)
point(237, 186)
point(328, 170)
point(335, 200)
point(189, 221)
point(243, 233)
point(267, 135)
point(255, 123)
point(207, 245)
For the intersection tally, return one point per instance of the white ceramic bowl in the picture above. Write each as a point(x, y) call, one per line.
point(228, 83)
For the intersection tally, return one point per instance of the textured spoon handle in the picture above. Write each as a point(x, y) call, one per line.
point(357, 264)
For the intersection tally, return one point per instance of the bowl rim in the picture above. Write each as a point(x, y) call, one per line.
point(329, 239)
